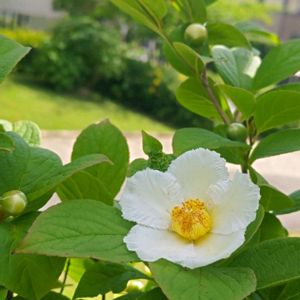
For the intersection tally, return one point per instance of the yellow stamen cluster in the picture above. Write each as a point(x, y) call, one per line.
point(191, 220)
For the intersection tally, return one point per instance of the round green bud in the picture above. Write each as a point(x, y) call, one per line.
point(13, 202)
point(195, 34)
point(237, 132)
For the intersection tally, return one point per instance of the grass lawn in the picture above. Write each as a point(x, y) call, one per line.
point(54, 111)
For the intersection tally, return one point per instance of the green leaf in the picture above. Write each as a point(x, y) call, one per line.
point(158, 9)
point(255, 225)
point(156, 294)
point(282, 107)
point(227, 35)
point(55, 296)
point(29, 131)
point(289, 87)
point(206, 283)
point(271, 228)
point(3, 293)
point(31, 276)
point(5, 125)
point(192, 138)
point(192, 95)
point(277, 143)
point(258, 34)
point(11, 53)
point(236, 66)
point(295, 197)
point(151, 144)
point(103, 138)
point(145, 12)
point(183, 59)
point(274, 261)
point(291, 291)
point(59, 175)
point(241, 98)
point(25, 169)
point(95, 230)
point(195, 10)
point(138, 164)
point(77, 268)
point(279, 64)
point(83, 185)
point(274, 200)
point(6, 143)
point(103, 277)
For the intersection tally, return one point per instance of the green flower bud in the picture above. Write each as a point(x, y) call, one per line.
point(195, 34)
point(237, 132)
point(13, 202)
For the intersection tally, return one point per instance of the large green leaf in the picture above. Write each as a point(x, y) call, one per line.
point(276, 108)
point(11, 53)
point(103, 277)
point(192, 95)
point(242, 99)
point(88, 228)
point(227, 35)
point(195, 10)
point(138, 12)
point(31, 276)
point(274, 200)
point(61, 174)
point(236, 66)
point(274, 261)
point(84, 185)
point(277, 143)
point(191, 138)
point(6, 143)
point(183, 58)
point(29, 131)
point(26, 168)
point(102, 138)
point(36, 171)
point(279, 64)
point(158, 9)
point(207, 283)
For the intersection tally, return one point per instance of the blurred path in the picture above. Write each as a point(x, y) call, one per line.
point(282, 171)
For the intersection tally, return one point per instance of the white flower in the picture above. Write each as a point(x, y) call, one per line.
point(193, 214)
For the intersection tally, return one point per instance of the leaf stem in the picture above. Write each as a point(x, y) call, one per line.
point(213, 97)
point(65, 275)
point(10, 295)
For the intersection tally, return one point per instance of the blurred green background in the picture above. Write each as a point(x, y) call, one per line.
point(89, 61)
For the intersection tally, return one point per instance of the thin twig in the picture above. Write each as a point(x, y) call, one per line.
point(10, 295)
point(65, 275)
point(213, 98)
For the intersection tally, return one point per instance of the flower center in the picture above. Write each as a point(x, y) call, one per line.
point(191, 220)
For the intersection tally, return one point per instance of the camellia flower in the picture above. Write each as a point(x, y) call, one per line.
point(193, 214)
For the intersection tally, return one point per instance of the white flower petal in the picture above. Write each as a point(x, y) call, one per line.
point(214, 247)
point(149, 197)
point(236, 203)
point(198, 169)
point(153, 244)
